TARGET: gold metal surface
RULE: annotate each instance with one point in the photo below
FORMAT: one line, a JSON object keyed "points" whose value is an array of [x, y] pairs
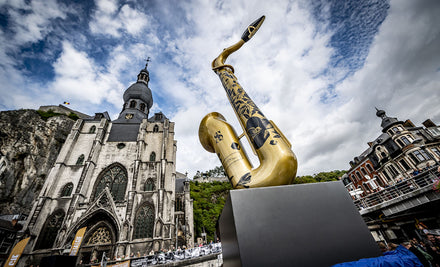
{"points": [[278, 163]]}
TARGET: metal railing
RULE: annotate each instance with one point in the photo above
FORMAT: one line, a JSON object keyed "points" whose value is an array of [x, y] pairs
{"points": [[418, 184], [165, 257]]}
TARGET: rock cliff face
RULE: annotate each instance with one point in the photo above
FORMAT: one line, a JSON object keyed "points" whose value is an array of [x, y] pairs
{"points": [[29, 147]]}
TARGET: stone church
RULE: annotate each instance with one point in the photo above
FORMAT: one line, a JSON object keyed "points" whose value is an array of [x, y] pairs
{"points": [[117, 178]]}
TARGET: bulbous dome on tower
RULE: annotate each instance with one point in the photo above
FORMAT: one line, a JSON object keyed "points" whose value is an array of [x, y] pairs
{"points": [[138, 99], [387, 122], [139, 90]]}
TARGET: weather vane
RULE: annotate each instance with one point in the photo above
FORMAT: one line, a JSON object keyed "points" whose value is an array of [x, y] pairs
{"points": [[147, 60]]}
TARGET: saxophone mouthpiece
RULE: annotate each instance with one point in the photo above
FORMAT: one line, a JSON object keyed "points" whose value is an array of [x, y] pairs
{"points": [[252, 29]]}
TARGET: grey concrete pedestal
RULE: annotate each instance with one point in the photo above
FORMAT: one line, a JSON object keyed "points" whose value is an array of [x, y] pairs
{"points": [[294, 225]]}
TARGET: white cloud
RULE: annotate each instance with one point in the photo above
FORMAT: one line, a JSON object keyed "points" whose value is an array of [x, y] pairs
{"points": [[31, 22], [110, 19], [276, 68], [280, 68]]}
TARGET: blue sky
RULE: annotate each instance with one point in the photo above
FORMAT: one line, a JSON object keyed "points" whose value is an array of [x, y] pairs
{"points": [[316, 68]]}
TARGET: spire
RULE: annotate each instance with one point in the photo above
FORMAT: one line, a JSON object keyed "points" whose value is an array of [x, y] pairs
{"points": [[146, 65], [144, 75], [137, 99], [380, 113], [387, 122]]}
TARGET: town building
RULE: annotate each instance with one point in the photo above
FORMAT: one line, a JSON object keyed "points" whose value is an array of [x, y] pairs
{"points": [[392, 181], [117, 178], [211, 179], [10, 225]]}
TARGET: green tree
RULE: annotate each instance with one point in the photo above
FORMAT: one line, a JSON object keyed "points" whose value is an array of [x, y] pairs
{"points": [[209, 199], [73, 116], [320, 177], [50, 113]]}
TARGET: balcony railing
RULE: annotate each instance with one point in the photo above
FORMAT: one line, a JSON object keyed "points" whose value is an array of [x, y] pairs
{"points": [[416, 185]]}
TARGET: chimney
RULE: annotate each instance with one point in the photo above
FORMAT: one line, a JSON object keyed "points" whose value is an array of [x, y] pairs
{"points": [[408, 123], [428, 123]]}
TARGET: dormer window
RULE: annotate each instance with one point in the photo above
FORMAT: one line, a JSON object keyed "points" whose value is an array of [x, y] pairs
{"points": [[396, 130], [142, 107], [381, 153], [132, 104]]}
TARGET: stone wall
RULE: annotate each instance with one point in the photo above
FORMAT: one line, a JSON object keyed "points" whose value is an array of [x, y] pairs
{"points": [[29, 147]]}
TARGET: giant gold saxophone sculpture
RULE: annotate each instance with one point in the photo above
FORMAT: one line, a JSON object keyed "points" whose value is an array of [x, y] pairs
{"points": [[278, 163]]}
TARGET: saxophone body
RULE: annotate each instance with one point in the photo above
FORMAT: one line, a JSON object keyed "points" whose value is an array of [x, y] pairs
{"points": [[278, 163]]}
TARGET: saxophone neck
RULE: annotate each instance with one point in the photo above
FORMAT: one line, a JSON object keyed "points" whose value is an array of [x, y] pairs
{"points": [[250, 31], [219, 62]]}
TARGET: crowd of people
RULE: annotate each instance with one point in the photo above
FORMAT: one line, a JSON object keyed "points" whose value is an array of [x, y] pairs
{"points": [[416, 253], [164, 255]]}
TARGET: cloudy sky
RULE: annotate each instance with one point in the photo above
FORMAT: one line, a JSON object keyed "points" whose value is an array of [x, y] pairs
{"points": [[316, 68]]}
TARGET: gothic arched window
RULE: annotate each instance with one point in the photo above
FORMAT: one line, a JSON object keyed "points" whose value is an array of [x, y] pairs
{"points": [[155, 128], [142, 107], [50, 230], [67, 190], [153, 156], [101, 235], [92, 129], [144, 223], [80, 160], [149, 185], [115, 178], [132, 104]]}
